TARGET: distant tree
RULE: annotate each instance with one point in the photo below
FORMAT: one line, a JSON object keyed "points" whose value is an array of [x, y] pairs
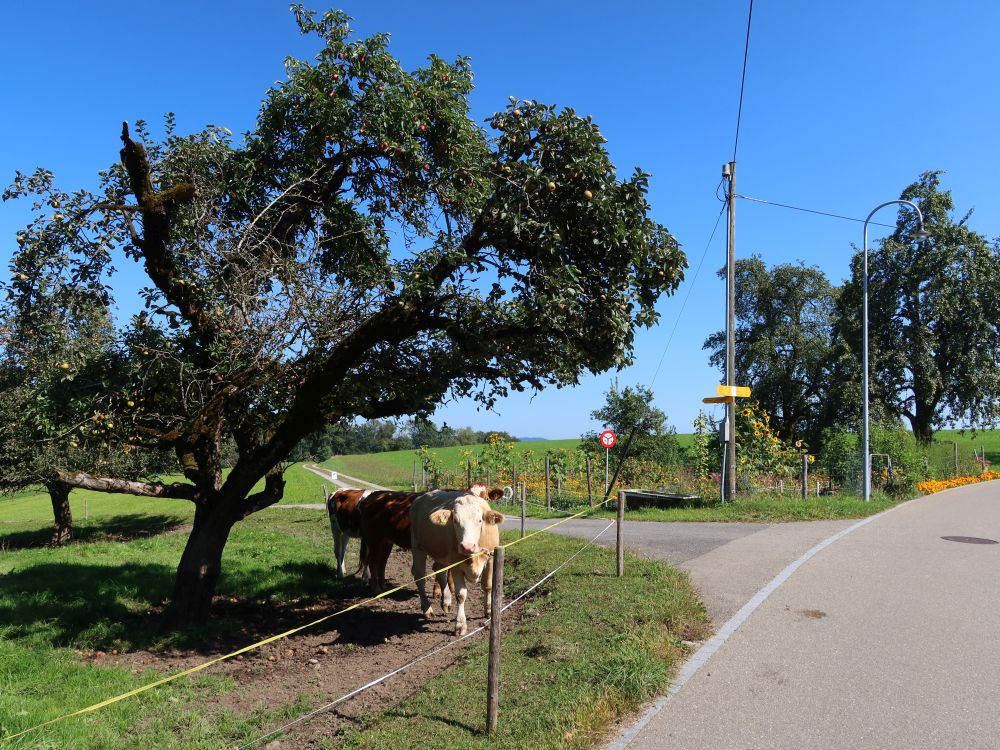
{"points": [[275, 304], [934, 317], [633, 407], [785, 320]]}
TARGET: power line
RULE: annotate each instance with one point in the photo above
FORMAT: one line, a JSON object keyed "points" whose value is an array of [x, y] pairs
{"points": [[743, 80], [687, 297], [813, 211]]}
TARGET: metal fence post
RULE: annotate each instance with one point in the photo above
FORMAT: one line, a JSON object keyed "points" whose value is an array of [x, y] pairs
{"points": [[620, 552], [493, 680]]}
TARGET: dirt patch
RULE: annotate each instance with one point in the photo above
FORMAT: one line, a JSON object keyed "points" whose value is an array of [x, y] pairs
{"points": [[326, 661], [815, 614]]}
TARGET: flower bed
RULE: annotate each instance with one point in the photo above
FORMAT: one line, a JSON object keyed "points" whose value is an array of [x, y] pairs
{"points": [[936, 485]]}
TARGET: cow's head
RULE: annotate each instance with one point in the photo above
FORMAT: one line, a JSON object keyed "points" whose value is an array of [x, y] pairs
{"points": [[466, 518]]}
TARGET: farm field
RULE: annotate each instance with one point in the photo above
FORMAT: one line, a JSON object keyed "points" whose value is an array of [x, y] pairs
{"points": [[80, 624], [395, 468]]}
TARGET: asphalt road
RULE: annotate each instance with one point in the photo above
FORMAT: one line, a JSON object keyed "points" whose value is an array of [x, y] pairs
{"points": [[728, 562], [886, 638]]}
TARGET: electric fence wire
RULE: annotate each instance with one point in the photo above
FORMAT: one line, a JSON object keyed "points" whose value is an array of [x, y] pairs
{"points": [[432, 652], [687, 296]]}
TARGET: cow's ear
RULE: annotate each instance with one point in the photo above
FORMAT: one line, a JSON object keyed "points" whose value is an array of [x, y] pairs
{"points": [[441, 517], [492, 516], [495, 494]]}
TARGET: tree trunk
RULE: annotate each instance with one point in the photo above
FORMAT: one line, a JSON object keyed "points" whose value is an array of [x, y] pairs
{"points": [[198, 571], [922, 424], [62, 531]]}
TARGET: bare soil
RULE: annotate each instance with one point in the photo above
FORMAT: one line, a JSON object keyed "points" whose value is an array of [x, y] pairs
{"points": [[331, 659]]}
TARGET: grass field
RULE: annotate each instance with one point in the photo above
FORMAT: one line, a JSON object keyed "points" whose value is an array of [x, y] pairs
{"points": [[986, 439], [594, 646]]}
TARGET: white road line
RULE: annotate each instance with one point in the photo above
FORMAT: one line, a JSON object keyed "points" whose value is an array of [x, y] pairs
{"points": [[703, 654]]}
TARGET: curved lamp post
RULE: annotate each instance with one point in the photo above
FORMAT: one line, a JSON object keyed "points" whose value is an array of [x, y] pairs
{"points": [[920, 234]]}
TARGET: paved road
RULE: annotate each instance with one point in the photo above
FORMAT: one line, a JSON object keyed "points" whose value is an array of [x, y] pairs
{"points": [[728, 562], [887, 638]]}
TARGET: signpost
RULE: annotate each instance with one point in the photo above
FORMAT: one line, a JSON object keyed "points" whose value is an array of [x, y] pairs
{"points": [[608, 439], [727, 395]]}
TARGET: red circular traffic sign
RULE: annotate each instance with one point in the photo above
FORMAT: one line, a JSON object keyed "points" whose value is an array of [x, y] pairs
{"points": [[608, 439]]}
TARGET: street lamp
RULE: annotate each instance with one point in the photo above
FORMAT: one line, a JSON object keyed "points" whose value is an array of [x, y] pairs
{"points": [[919, 234]]}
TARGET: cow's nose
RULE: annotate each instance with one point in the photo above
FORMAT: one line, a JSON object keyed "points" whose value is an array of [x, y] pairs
{"points": [[468, 549]]}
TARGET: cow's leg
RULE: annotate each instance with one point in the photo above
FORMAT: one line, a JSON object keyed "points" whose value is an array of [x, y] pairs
{"points": [[419, 571], [377, 556], [363, 565], [486, 582], [339, 545], [340, 549], [441, 582], [461, 591]]}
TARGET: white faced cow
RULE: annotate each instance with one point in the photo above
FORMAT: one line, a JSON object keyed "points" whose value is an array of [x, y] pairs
{"points": [[447, 526]]}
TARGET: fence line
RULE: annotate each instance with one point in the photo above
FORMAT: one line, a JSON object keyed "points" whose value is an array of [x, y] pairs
{"points": [[436, 650], [271, 639], [225, 657]]}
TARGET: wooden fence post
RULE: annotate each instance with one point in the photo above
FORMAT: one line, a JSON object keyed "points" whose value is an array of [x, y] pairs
{"points": [[423, 477], [468, 473], [548, 493], [805, 476], [524, 491], [488, 477], [414, 476], [620, 552], [493, 679], [955, 446], [590, 489]]}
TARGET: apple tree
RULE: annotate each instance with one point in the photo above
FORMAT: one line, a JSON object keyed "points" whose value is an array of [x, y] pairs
{"points": [[57, 351], [367, 249]]}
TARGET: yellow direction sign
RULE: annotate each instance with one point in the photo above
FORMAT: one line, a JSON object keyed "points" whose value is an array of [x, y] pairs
{"points": [[739, 391], [719, 400]]}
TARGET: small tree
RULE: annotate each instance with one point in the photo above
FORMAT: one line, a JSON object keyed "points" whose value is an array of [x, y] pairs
{"points": [[633, 407], [56, 349], [276, 304]]}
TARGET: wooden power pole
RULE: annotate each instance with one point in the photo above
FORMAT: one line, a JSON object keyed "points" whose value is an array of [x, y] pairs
{"points": [[729, 170]]}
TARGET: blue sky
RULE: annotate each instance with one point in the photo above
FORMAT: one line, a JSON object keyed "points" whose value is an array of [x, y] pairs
{"points": [[845, 104]]}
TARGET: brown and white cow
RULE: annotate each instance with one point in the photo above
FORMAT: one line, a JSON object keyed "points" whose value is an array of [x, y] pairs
{"points": [[447, 525], [385, 521], [344, 509]]}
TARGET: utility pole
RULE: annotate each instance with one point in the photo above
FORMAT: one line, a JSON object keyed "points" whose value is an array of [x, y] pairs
{"points": [[729, 171]]}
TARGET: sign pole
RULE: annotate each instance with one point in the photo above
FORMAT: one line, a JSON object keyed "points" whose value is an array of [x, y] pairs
{"points": [[607, 440]]}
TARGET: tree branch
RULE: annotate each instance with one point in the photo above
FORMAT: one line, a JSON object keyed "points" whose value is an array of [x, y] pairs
{"points": [[85, 481]]}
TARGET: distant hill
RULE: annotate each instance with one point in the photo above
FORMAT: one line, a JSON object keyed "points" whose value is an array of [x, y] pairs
{"points": [[530, 440]]}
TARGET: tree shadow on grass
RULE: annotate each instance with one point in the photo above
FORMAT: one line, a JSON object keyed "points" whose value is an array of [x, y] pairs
{"points": [[67, 604], [120, 528], [121, 606]]}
